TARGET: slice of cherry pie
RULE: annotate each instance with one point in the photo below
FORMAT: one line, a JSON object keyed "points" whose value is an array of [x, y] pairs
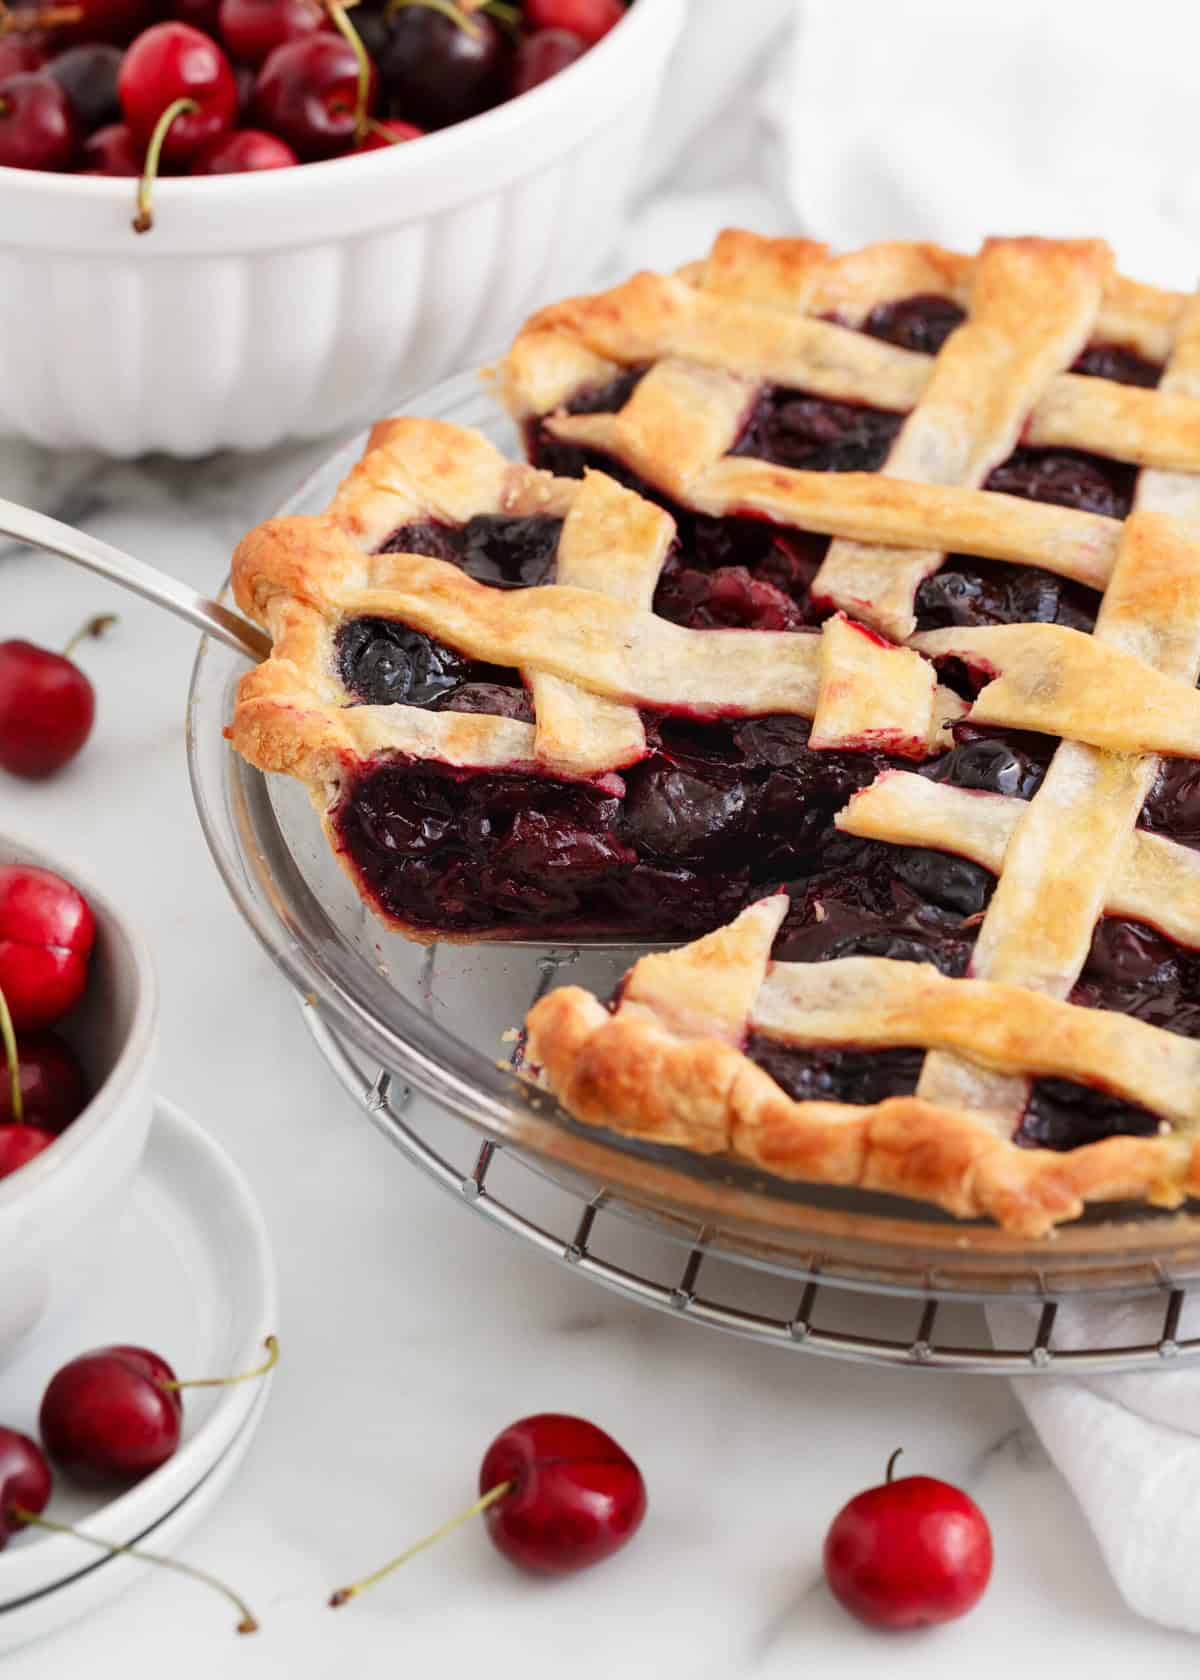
{"points": [[861, 591]]}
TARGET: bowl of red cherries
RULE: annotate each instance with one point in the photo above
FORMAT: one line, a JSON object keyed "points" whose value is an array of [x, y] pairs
{"points": [[228, 222], [77, 1034]]}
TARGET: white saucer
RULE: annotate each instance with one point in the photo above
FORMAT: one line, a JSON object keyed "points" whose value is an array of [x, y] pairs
{"points": [[190, 1274]]}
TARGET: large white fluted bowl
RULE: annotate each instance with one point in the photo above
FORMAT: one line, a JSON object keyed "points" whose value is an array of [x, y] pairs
{"points": [[297, 302]]}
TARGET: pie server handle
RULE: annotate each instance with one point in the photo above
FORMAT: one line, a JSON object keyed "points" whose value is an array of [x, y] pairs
{"points": [[210, 616]]}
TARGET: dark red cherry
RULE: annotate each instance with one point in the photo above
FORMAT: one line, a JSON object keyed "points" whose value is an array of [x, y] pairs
{"points": [[172, 61], [574, 1495], [19, 53], [909, 1553], [19, 1144], [108, 20], [589, 19], [307, 93], [436, 72], [108, 1416], [242, 151], [543, 54], [46, 936], [112, 151], [53, 1090], [47, 704], [381, 135], [87, 74], [25, 1481], [252, 29], [557, 1494], [201, 14], [38, 129]]}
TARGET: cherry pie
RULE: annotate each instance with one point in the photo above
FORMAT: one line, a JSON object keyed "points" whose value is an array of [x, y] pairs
{"points": [[849, 607]]}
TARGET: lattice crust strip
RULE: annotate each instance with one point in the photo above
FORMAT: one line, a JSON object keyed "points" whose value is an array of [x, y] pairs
{"points": [[666, 1065], [588, 644]]}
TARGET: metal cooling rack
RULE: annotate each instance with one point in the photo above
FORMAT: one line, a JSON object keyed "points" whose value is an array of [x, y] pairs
{"points": [[695, 1276]]}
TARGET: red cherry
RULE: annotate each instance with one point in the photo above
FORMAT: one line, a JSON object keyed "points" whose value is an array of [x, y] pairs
{"points": [[107, 1416], [243, 150], [46, 937], [307, 92], [19, 1145], [909, 1553], [19, 53], [575, 1496], [24, 1481], [53, 1090], [115, 1414], [557, 1494], [47, 704], [543, 55], [383, 135], [173, 61], [111, 151], [252, 29], [37, 126], [589, 18]]}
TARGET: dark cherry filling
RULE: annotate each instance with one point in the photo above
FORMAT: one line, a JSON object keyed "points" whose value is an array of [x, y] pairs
{"points": [[508, 553], [717, 814]]}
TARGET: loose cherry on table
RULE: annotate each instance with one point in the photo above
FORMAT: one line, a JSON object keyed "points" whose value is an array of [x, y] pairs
{"points": [[26, 1484], [909, 1553], [46, 935], [115, 1414], [47, 704], [557, 1494]]}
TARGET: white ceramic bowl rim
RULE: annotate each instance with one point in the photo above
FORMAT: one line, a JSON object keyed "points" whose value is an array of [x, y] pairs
{"points": [[493, 147], [134, 1051]]}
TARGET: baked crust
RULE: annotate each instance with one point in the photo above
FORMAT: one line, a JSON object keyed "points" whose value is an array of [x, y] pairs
{"points": [[666, 1066]]}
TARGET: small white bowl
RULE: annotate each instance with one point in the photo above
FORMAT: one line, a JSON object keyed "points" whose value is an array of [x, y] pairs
{"points": [[295, 302], [57, 1212]]}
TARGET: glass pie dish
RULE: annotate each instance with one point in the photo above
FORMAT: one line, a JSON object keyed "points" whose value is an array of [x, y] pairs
{"points": [[443, 1018]]}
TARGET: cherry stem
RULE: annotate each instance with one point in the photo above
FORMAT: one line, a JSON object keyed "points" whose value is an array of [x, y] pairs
{"points": [[509, 16], [493, 1495], [349, 34], [374, 126], [891, 1469], [94, 627], [50, 17], [247, 1624], [447, 8], [8, 1038], [268, 1364], [144, 220]]}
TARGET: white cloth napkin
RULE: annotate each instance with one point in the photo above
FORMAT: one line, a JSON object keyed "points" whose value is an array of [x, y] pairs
{"points": [[948, 121], [1129, 1446]]}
